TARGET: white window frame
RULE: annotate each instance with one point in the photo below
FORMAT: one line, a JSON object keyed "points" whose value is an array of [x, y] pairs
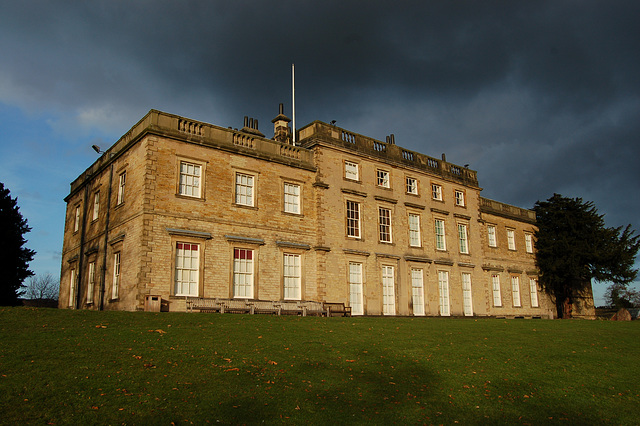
{"points": [[291, 198], [459, 197], [436, 192], [497, 294], [467, 295], [190, 179], [76, 219], [383, 178], [515, 291], [443, 293], [351, 170], [412, 185], [187, 269], [463, 238], [353, 219], [243, 273], [96, 205], [244, 193], [492, 235], [533, 290], [91, 281], [415, 239], [115, 286], [511, 239], [528, 242], [356, 288], [441, 240], [388, 290], [292, 276], [122, 180], [417, 291], [384, 225], [72, 289]]}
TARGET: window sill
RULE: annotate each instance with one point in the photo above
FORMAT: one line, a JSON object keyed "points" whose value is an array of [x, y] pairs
{"points": [[190, 197], [292, 214], [244, 206]]}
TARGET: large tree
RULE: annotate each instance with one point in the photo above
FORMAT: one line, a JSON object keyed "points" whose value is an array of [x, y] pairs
{"points": [[14, 256], [574, 246]]}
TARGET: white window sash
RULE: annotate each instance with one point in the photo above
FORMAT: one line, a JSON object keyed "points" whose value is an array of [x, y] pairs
{"points": [[414, 230], [244, 189], [533, 288], [384, 221], [463, 237], [243, 274], [497, 296], [443, 292], [353, 219], [417, 291], [187, 269], [292, 277], [467, 296], [491, 233], [92, 282], [388, 291], [515, 289], [292, 198], [441, 243], [356, 296]]}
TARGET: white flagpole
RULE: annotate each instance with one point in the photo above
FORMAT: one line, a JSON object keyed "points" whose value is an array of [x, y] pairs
{"points": [[293, 96]]}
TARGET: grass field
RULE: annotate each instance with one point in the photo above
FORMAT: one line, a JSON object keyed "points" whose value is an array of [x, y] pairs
{"points": [[84, 367]]}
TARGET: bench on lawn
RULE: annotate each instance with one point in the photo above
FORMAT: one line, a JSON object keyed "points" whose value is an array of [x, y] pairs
{"points": [[337, 309], [264, 307], [313, 308], [204, 305]]}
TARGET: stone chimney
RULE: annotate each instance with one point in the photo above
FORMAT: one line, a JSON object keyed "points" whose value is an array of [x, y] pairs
{"points": [[281, 129], [251, 126]]}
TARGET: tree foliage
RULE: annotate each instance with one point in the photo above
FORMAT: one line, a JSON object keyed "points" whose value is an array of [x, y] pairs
{"points": [[14, 256], [621, 296], [42, 287], [574, 246]]}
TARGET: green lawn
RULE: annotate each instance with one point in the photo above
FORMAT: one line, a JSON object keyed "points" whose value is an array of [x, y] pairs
{"points": [[61, 366]]}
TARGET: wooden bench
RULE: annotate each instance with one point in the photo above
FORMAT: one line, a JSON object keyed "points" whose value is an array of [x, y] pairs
{"points": [[337, 309], [238, 306], [265, 307], [313, 308], [203, 305]]}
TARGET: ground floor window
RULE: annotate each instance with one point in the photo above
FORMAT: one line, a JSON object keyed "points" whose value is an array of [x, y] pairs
{"points": [[466, 294], [243, 273], [187, 269], [72, 289], [388, 291], [533, 287], [443, 289], [497, 297], [417, 291], [292, 276], [92, 282], [515, 290], [356, 298], [115, 287]]}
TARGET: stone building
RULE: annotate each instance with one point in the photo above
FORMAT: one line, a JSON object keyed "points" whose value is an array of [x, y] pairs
{"points": [[179, 208]]}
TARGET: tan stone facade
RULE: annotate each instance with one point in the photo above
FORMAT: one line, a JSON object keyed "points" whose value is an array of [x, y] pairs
{"points": [[181, 208]]}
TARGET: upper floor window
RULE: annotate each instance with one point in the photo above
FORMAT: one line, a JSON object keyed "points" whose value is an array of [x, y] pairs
{"points": [[491, 234], [414, 230], [353, 219], [76, 219], [440, 237], [244, 189], [189, 179], [384, 221], [121, 183], [351, 170], [96, 205], [292, 198], [412, 186], [511, 239], [462, 237], [436, 192], [383, 178], [459, 198], [528, 242]]}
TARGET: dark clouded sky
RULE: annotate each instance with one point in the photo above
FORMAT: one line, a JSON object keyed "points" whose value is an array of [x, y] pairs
{"points": [[538, 97]]}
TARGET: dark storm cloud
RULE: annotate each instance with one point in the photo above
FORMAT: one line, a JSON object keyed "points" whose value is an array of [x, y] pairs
{"points": [[539, 97]]}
